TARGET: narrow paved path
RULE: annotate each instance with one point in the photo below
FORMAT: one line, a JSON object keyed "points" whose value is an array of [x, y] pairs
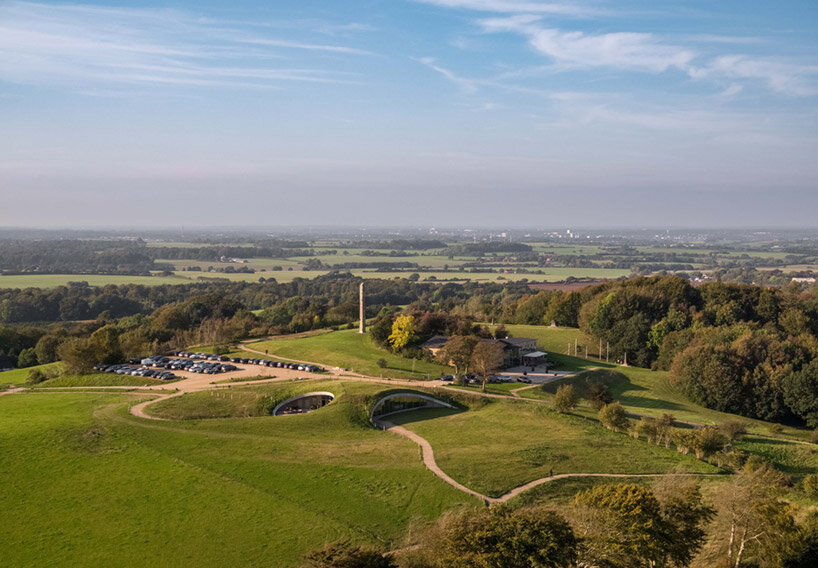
{"points": [[516, 392], [531, 484], [428, 456], [138, 410]]}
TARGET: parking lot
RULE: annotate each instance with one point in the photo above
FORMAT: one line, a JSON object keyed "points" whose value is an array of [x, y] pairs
{"points": [[185, 364]]}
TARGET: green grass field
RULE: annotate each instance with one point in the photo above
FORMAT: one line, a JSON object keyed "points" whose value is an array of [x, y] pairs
{"points": [[555, 340], [222, 484], [102, 380], [559, 342], [287, 275], [240, 402], [350, 350], [54, 280], [20, 376], [504, 444], [88, 485]]}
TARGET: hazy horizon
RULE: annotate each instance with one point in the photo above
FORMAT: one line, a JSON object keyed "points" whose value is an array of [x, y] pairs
{"points": [[402, 113]]}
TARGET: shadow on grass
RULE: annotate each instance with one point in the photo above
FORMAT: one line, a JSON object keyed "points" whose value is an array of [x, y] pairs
{"points": [[421, 415], [570, 363], [750, 439], [648, 403]]}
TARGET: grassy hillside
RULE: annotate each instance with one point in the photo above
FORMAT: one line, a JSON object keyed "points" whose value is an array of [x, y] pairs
{"points": [[350, 350], [650, 392], [20, 376], [263, 490], [501, 445], [119, 491], [244, 401]]}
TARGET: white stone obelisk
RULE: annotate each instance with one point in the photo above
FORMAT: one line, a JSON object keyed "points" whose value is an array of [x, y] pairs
{"points": [[361, 310]]}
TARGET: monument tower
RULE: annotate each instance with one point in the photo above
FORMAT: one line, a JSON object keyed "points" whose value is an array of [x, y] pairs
{"points": [[361, 310]]}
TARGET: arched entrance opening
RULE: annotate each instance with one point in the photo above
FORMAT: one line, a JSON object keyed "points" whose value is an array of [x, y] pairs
{"points": [[403, 402], [303, 403]]}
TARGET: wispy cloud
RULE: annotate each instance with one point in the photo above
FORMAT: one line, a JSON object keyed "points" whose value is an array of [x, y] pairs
{"points": [[74, 45], [467, 85], [730, 92], [780, 76], [576, 9], [307, 46], [640, 51], [652, 53]]}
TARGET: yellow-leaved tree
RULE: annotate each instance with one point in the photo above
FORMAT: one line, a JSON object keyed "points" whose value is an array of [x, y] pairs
{"points": [[404, 331]]}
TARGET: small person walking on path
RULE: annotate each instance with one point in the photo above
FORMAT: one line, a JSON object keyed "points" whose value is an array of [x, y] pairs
{"points": [[550, 473]]}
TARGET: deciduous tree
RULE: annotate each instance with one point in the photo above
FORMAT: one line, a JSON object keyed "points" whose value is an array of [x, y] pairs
{"points": [[404, 331], [565, 399], [457, 352], [504, 538], [77, 355], [486, 359], [752, 521], [630, 525], [614, 417]]}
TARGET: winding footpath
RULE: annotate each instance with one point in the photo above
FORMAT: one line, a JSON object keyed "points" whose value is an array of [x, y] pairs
{"points": [[428, 456]]}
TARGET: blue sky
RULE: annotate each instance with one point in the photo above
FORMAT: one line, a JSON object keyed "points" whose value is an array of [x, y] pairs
{"points": [[409, 112]]}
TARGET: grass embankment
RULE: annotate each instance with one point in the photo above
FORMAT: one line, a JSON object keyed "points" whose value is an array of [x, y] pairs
{"points": [[498, 388], [232, 351], [504, 444], [101, 380], [245, 379], [20, 376], [236, 402], [348, 349], [232, 492]]}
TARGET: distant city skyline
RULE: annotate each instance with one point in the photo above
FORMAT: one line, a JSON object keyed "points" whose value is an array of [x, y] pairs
{"points": [[484, 113]]}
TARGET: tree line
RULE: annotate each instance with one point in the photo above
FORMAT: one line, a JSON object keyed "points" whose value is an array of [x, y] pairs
{"points": [[76, 257], [667, 525]]}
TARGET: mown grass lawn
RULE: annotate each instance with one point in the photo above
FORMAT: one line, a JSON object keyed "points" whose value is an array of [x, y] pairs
{"points": [[504, 444], [350, 350], [85, 484]]}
